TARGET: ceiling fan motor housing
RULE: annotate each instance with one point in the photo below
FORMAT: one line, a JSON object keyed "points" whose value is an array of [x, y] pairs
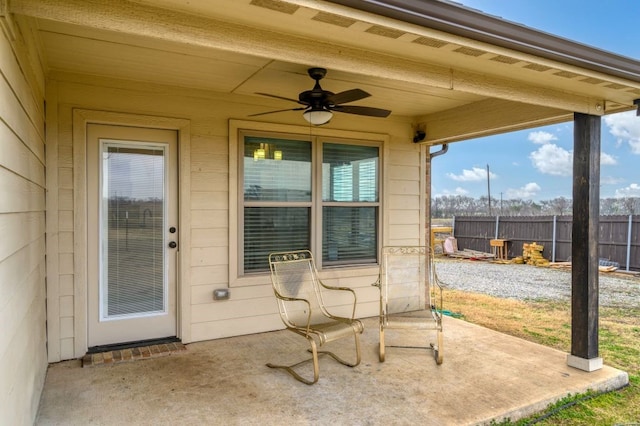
{"points": [[317, 73]]}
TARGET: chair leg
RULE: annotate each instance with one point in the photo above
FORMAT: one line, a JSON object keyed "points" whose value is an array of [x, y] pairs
{"points": [[290, 368], [315, 352], [342, 361], [381, 353], [437, 349]]}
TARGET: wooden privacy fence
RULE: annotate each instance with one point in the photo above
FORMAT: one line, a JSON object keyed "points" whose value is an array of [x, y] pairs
{"points": [[619, 237]]}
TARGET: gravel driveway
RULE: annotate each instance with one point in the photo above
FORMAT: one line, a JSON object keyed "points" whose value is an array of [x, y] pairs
{"points": [[526, 282]]}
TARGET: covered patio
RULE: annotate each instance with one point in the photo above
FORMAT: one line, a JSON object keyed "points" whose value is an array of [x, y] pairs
{"points": [[220, 95], [486, 376]]}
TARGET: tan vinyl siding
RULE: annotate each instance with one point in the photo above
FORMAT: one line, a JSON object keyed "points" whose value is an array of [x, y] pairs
{"points": [[251, 307], [406, 195], [23, 359]]}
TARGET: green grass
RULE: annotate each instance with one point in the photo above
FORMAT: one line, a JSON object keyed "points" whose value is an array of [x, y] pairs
{"points": [[549, 323]]}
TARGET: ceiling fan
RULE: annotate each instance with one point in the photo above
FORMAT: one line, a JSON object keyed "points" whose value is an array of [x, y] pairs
{"points": [[319, 104]]}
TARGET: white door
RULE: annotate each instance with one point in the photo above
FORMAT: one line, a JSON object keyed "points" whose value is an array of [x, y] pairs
{"points": [[132, 233]]}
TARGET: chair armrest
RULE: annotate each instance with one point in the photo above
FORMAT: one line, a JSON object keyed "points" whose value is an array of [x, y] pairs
{"points": [[335, 288], [294, 299]]}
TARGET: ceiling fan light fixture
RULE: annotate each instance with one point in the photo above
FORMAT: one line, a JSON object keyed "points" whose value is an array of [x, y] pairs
{"points": [[318, 117]]}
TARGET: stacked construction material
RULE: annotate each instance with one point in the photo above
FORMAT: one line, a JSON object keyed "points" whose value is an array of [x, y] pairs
{"points": [[451, 249], [532, 254]]}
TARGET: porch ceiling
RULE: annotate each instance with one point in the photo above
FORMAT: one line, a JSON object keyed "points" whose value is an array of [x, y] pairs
{"points": [[455, 86]]}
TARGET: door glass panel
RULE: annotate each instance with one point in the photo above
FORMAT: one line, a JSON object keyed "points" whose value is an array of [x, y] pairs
{"points": [[133, 213]]}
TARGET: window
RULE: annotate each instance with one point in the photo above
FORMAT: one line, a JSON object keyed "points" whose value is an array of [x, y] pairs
{"points": [[349, 203], [316, 194]]}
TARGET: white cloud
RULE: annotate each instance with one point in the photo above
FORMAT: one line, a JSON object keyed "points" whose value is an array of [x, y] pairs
{"points": [[460, 191], [528, 191], [607, 160], [632, 190], [541, 138], [610, 180], [552, 160], [626, 127], [473, 175], [457, 191]]}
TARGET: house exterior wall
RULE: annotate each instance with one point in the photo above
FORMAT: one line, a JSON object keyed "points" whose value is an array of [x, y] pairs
{"points": [[208, 223], [23, 360]]}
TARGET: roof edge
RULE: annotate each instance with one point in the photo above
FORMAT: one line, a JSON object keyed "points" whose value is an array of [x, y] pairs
{"points": [[466, 22]]}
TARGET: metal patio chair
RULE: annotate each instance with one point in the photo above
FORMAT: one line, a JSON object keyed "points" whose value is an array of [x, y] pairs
{"points": [[300, 295], [410, 295]]}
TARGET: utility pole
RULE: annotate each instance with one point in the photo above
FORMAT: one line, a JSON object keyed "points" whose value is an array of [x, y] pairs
{"points": [[489, 189]]}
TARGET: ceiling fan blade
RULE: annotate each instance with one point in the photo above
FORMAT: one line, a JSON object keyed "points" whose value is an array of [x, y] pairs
{"points": [[282, 97], [361, 110], [348, 96], [278, 110]]}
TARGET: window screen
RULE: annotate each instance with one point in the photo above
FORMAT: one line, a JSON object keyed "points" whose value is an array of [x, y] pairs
{"points": [[277, 198]]}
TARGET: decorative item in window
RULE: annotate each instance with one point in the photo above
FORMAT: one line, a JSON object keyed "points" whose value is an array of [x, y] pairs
{"points": [[267, 151]]}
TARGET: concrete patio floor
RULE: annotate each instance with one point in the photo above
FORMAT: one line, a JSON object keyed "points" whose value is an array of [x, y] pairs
{"points": [[485, 376]]}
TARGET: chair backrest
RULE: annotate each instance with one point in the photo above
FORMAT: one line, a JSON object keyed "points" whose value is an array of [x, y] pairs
{"points": [[404, 278], [294, 275]]}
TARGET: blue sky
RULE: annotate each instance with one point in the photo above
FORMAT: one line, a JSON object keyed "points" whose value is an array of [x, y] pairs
{"points": [[536, 164]]}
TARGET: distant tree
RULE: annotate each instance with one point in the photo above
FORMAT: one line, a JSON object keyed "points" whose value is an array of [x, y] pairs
{"points": [[531, 208], [558, 206], [483, 206], [513, 207], [630, 205], [608, 206], [468, 205], [462, 205], [620, 206]]}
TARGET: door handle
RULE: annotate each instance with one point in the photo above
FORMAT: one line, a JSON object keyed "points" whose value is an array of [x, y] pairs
{"points": [[173, 244]]}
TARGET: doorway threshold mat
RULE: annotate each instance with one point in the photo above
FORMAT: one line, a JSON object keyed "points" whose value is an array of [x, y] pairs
{"points": [[132, 354]]}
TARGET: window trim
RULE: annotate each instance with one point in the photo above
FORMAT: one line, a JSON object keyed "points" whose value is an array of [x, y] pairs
{"points": [[317, 135]]}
